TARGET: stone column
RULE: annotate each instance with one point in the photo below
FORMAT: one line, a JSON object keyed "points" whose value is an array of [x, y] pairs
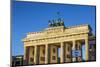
{"points": [[46, 54], [62, 53], [53, 53], [35, 54], [79, 47], [87, 49], [67, 52], [31, 55], [73, 48], [24, 53]]}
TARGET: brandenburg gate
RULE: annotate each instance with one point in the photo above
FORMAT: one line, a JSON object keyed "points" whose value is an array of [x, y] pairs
{"points": [[42, 47]]}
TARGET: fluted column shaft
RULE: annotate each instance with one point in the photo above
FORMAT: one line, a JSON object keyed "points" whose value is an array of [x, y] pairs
{"points": [[62, 52], [73, 48]]}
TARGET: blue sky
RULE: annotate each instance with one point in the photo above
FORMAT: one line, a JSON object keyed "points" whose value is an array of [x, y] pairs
{"points": [[31, 17]]}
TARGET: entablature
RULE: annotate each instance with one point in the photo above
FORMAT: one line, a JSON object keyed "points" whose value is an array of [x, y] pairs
{"points": [[57, 32]]}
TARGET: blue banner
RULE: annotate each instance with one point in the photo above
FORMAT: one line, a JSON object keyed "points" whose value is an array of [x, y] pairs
{"points": [[76, 53]]}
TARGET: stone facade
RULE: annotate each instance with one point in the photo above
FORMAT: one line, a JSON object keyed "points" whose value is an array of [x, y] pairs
{"points": [[43, 46]]}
